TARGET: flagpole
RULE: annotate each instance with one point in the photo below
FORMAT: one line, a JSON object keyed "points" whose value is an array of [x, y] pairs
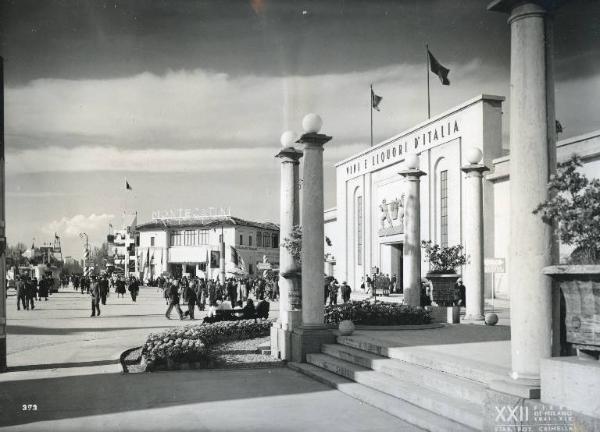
{"points": [[371, 96], [427, 71]]}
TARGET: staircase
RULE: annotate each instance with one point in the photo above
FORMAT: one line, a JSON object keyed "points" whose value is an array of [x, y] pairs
{"points": [[435, 392]]}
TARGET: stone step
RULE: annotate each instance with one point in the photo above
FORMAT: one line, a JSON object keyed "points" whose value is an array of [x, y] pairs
{"points": [[455, 409], [450, 385], [458, 366], [397, 407]]}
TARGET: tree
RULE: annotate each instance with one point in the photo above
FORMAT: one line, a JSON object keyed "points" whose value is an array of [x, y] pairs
{"points": [[574, 210]]}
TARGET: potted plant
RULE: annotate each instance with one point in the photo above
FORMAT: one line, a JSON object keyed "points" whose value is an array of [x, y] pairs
{"points": [[573, 209], [444, 260]]}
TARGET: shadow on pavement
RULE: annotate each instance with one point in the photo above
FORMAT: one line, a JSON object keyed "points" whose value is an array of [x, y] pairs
{"points": [[61, 365], [78, 396], [31, 330]]}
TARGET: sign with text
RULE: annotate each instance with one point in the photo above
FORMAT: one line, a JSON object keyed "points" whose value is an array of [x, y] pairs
{"points": [[495, 265], [191, 213]]}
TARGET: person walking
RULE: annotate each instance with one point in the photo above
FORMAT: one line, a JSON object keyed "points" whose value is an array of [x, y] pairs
{"points": [[103, 289], [44, 287], [120, 287], [346, 291], [173, 292], [190, 295], [21, 293], [134, 287], [30, 293], [95, 295]]}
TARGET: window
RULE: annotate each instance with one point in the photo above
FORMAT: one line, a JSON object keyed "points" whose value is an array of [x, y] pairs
{"points": [[241, 239], [190, 238], [275, 241], [176, 238], [359, 229], [266, 240], [152, 241], [259, 241], [444, 208], [249, 240], [203, 237], [250, 269]]}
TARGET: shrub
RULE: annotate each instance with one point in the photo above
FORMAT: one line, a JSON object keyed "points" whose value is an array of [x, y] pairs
{"points": [[191, 343], [443, 259], [367, 313]]}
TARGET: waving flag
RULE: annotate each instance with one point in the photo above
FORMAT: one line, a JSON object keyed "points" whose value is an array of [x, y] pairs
{"points": [[438, 69]]}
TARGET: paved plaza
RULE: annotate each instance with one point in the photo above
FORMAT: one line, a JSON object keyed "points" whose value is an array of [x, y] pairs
{"points": [[67, 364]]}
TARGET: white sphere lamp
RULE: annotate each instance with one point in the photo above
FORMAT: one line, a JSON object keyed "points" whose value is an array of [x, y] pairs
{"points": [[411, 161], [473, 155], [287, 139], [311, 123]]}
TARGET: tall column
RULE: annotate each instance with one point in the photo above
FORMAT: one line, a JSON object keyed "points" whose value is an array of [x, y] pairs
{"points": [[312, 333], [2, 229], [289, 283], [222, 257], [532, 160], [411, 259], [473, 235]]}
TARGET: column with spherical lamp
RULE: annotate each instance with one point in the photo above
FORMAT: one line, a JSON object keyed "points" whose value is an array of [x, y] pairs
{"points": [[473, 235], [309, 337], [411, 255], [289, 215]]}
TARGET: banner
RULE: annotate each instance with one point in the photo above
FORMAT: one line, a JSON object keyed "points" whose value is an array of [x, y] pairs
{"points": [[214, 259]]}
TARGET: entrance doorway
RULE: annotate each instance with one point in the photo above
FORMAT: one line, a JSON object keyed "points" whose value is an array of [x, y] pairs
{"points": [[397, 250]]}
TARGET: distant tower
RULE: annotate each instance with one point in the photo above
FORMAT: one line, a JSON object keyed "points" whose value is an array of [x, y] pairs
{"points": [[57, 249]]}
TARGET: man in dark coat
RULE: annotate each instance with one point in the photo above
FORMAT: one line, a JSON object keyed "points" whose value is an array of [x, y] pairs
{"points": [[44, 288], [103, 289], [262, 309], [21, 293], [173, 291], [31, 293], [346, 291], [190, 296], [134, 287], [95, 295]]}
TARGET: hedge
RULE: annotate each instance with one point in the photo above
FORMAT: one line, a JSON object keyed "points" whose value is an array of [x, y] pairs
{"points": [[380, 313], [191, 343]]}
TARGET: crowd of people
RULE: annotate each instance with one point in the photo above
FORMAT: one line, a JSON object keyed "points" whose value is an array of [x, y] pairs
{"points": [[30, 289], [98, 287], [233, 298]]}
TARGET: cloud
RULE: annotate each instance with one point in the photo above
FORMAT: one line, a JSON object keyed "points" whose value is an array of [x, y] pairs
{"points": [[82, 159], [93, 225], [203, 110]]}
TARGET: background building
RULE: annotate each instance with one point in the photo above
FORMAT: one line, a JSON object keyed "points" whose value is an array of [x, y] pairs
{"points": [[192, 246], [121, 245]]}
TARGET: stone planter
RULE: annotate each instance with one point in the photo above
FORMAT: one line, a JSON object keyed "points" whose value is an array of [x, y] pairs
{"points": [[443, 287], [346, 327], [580, 285], [444, 314]]}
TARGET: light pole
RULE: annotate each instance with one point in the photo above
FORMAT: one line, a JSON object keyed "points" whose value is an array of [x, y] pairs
{"points": [[86, 254], [2, 230]]}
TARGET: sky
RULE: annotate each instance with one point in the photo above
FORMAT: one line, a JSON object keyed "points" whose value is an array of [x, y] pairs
{"points": [[187, 99]]}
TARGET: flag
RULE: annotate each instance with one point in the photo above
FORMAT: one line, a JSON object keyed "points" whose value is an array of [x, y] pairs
{"points": [[438, 69], [375, 99], [559, 127], [56, 236], [147, 258], [234, 256], [127, 186]]}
